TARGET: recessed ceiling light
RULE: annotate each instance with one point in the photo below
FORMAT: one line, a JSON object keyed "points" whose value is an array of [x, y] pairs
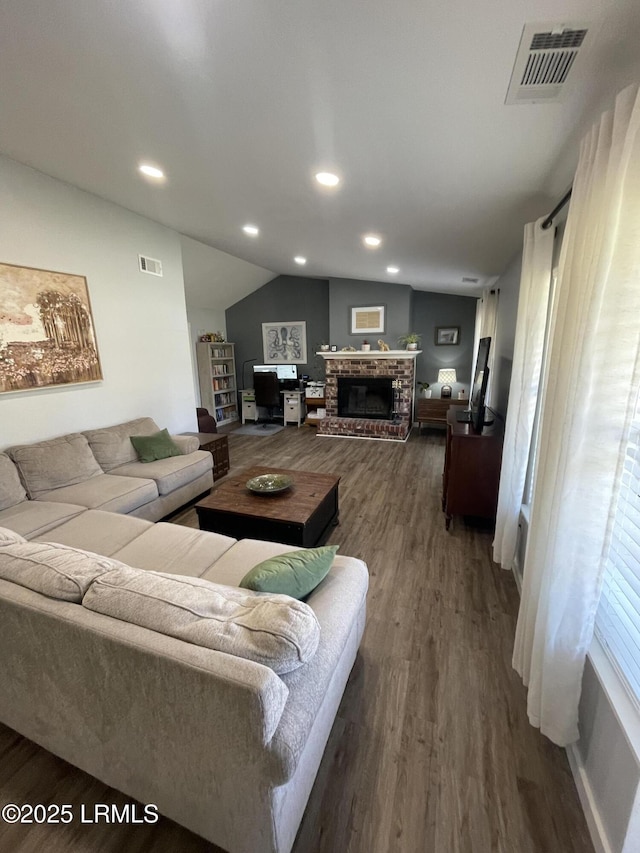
{"points": [[151, 171], [393, 270], [300, 260], [251, 229], [468, 280], [327, 179], [372, 241]]}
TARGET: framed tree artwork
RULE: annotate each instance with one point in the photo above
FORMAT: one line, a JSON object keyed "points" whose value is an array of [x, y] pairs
{"points": [[47, 335]]}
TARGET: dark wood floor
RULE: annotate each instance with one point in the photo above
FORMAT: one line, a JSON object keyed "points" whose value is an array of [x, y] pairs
{"points": [[431, 751]]}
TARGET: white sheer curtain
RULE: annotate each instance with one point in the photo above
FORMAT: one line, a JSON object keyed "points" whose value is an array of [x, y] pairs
{"points": [[590, 387], [486, 326], [533, 301]]}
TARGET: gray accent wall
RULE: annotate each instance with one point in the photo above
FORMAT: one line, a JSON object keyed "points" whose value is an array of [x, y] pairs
{"points": [[284, 298], [326, 305], [431, 310], [346, 293]]}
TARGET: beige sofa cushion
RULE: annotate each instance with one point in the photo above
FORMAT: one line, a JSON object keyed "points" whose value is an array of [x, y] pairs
{"points": [[54, 570], [33, 518], [171, 473], [187, 443], [111, 446], [98, 531], [9, 537], [273, 630], [234, 564], [174, 549], [54, 464], [11, 489], [106, 492]]}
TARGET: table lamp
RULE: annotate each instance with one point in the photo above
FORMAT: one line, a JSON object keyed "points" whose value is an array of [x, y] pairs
{"points": [[446, 375]]}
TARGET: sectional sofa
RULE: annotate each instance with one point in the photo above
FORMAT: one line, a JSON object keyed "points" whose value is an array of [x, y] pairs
{"points": [[99, 469], [225, 737]]}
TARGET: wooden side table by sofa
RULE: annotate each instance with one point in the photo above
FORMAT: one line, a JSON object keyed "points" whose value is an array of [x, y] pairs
{"points": [[218, 446], [433, 410]]}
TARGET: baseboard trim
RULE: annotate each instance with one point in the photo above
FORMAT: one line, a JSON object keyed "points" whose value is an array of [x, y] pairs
{"points": [[596, 828]]}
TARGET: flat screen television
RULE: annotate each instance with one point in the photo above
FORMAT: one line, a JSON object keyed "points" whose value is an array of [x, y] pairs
{"points": [[475, 414], [479, 388]]}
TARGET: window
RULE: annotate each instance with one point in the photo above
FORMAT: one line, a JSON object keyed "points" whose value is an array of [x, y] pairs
{"points": [[533, 451], [618, 616]]}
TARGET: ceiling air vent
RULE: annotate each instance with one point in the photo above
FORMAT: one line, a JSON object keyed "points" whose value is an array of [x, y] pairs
{"points": [[546, 55], [150, 265]]}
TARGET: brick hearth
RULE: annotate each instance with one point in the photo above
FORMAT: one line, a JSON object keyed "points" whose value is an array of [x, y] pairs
{"points": [[394, 365]]}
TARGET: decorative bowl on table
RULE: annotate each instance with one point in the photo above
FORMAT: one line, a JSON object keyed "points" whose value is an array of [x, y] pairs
{"points": [[269, 484]]}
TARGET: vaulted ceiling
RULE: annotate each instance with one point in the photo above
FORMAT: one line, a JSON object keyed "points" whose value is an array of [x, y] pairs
{"points": [[241, 102]]}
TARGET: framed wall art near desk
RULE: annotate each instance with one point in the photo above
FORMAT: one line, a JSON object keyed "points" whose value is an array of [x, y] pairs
{"points": [[285, 342], [47, 336]]}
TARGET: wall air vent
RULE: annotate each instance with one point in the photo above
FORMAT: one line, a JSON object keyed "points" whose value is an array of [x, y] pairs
{"points": [[150, 265], [546, 55]]}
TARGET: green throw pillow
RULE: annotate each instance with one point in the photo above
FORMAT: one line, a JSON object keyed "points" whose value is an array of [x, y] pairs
{"points": [[296, 573], [160, 445]]}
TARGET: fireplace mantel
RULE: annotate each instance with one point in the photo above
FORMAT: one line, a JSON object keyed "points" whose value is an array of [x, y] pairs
{"points": [[374, 353], [399, 366]]}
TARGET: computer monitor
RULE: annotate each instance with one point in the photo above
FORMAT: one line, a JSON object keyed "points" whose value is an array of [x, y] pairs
{"points": [[282, 371]]}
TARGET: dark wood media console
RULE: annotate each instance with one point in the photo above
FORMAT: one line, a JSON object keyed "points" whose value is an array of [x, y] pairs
{"points": [[471, 469]]}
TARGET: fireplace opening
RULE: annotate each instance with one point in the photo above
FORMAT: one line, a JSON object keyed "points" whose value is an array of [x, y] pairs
{"points": [[365, 397]]}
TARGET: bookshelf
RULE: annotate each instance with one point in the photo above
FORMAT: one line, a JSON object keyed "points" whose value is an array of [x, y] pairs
{"points": [[217, 379]]}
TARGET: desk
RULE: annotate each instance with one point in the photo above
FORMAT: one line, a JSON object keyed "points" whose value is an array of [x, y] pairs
{"points": [[249, 408]]}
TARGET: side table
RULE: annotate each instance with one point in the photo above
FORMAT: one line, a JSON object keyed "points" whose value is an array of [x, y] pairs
{"points": [[218, 446], [433, 410]]}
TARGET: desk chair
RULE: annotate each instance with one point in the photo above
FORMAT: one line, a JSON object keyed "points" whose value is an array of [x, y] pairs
{"points": [[267, 390], [206, 422]]}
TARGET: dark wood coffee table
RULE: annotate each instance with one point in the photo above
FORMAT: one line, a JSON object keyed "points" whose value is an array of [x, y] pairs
{"points": [[302, 515]]}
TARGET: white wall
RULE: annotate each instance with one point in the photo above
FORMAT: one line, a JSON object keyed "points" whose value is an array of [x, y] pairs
{"points": [[201, 321], [140, 320], [205, 320], [214, 280], [608, 773]]}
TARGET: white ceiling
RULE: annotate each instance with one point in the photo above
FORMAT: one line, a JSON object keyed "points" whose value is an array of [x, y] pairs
{"points": [[242, 101]]}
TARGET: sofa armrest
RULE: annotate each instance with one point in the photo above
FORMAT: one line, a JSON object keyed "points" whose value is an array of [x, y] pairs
{"points": [[186, 443]]}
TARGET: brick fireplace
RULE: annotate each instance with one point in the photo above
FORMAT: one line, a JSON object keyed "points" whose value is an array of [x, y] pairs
{"points": [[397, 366]]}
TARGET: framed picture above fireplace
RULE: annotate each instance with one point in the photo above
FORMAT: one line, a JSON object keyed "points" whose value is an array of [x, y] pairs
{"points": [[367, 320]]}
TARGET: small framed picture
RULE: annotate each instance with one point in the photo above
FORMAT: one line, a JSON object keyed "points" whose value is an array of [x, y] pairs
{"points": [[367, 320], [334, 348], [447, 336]]}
